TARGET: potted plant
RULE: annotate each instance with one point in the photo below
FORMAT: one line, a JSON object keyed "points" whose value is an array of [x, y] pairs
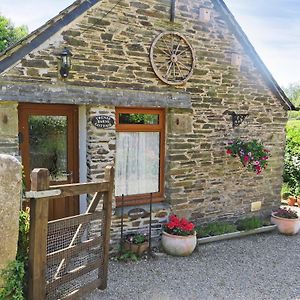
{"points": [[292, 200], [253, 155], [287, 221], [179, 237], [136, 242]]}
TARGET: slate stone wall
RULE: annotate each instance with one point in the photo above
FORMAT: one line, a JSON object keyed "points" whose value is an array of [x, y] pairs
{"points": [[9, 128], [110, 46]]}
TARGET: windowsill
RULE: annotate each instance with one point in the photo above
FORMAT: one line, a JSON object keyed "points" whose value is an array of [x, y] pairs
{"points": [[146, 207]]}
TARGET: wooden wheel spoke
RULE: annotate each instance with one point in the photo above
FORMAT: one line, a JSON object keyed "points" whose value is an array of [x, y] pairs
{"points": [[164, 64], [179, 69], [174, 70], [184, 66], [170, 52], [169, 69], [183, 51], [178, 47], [163, 51]]}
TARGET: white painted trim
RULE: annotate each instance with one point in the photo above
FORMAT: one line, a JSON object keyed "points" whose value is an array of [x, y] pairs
{"points": [[42, 194], [82, 155], [236, 234]]}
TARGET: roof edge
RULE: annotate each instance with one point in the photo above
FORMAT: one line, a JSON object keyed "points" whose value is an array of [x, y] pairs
{"points": [[44, 32], [242, 37]]}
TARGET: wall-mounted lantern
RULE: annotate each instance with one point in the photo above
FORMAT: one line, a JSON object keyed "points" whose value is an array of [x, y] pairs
{"points": [[65, 62]]}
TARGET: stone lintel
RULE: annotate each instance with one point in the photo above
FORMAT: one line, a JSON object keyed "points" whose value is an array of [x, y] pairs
{"points": [[67, 94]]}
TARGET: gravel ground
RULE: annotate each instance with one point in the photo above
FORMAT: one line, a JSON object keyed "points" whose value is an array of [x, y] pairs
{"points": [[264, 266]]}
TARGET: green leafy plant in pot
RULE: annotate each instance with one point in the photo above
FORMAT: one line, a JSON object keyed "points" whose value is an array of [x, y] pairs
{"points": [[136, 242], [179, 237], [287, 221]]}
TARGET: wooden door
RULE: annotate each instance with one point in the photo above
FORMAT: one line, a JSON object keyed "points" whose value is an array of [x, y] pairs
{"points": [[49, 139]]}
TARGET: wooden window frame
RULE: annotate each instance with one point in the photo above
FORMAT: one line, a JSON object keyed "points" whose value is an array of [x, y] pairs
{"points": [[160, 127]]}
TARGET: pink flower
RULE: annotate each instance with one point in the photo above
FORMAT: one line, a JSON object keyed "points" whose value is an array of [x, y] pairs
{"points": [[256, 163], [246, 158]]}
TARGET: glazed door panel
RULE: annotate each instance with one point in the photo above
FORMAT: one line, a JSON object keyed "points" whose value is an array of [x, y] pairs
{"points": [[49, 139]]}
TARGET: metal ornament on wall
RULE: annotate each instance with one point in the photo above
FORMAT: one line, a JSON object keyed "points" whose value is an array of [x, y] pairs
{"points": [[237, 119], [172, 58]]}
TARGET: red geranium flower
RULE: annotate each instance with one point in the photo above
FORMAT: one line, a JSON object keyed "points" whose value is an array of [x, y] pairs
{"points": [[178, 226]]}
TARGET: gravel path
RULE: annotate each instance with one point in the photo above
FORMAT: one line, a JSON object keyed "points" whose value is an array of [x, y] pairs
{"points": [[265, 266]]}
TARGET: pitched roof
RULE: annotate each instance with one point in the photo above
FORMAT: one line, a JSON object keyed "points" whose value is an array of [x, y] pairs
{"points": [[23, 47], [15, 53]]}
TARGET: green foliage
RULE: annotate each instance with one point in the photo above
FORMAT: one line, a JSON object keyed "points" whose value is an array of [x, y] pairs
{"points": [[13, 276], [48, 143], [139, 119], [23, 241], [9, 34], [249, 223], [139, 239], [285, 191], [136, 238], [291, 174], [213, 229], [127, 256], [293, 92]]}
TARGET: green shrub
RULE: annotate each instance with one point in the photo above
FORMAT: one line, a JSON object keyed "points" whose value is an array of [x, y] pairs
{"points": [[291, 174], [127, 256], [23, 241], [285, 191], [249, 223], [13, 276], [213, 229]]}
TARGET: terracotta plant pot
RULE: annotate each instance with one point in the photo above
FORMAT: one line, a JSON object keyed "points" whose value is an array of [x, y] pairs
{"points": [[286, 226], [291, 200], [138, 249], [178, 245]]}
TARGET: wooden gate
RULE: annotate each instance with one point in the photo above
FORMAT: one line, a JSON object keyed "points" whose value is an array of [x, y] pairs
{"points": [[65, 259]]}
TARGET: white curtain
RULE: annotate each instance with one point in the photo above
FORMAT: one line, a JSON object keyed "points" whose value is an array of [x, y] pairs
{"points": [[137, 163]]}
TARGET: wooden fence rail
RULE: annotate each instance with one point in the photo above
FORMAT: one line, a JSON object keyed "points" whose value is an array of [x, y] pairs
{"points": [[38, 287]]}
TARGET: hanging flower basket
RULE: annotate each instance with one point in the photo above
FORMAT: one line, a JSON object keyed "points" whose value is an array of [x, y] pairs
{"points": [[253, 155]]}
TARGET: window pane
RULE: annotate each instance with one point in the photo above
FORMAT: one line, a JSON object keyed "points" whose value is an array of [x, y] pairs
{"points": [[48, 144], [137, 163], [147, 119]]}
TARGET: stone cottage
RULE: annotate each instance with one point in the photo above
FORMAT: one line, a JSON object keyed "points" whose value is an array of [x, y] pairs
{"points": [[156, 87]]}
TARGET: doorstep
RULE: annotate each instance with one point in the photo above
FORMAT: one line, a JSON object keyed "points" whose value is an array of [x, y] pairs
{"points": [[232, 235]]}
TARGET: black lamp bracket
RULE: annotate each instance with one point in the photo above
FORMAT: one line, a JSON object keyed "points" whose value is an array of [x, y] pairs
{"points": [[237, 119]]}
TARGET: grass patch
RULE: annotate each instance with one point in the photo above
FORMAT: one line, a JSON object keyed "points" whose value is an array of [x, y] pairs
{"points": [[213, 229], [249, 223]]}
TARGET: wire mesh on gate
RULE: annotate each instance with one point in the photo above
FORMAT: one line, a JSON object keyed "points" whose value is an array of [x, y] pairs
{"points": [[73, 258]]}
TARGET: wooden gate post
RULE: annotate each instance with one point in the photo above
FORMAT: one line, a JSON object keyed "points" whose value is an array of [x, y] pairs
{"points": [[38, 236], [106, 224]]}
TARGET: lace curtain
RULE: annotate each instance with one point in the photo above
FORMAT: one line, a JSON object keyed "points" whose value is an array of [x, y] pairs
{"points": [[137, 163]]}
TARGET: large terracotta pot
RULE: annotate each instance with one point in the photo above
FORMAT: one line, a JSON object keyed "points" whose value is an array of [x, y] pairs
{"points": [[178, 245], [286, 226]]}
